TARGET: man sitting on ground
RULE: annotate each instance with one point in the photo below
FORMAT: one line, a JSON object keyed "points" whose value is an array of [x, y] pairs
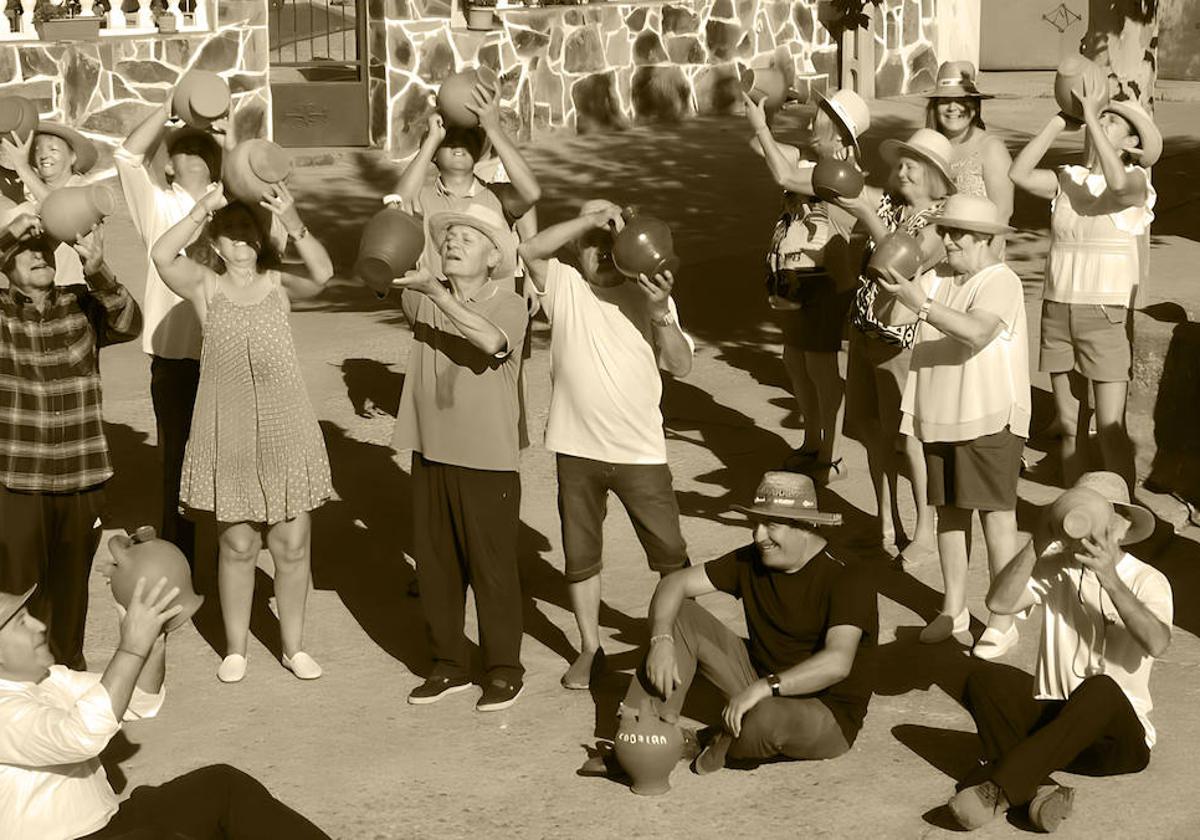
{"points": [[1107, 616], [800, 687]]}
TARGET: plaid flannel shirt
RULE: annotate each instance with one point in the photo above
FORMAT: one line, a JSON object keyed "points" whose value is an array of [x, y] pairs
{"points": [[51, 428]]}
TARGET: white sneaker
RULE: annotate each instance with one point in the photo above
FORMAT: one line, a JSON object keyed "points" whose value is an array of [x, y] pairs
{"points": [[944, 627], [232, 669], [995, 643], [302, 665]]}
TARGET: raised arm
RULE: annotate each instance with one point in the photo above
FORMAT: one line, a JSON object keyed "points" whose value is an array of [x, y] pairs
{"points": [[784, 167], [282, 204], [476, 328], [527, 192], [864, 209], [114, 313], [1151, 632], [1024, 172], [996, 164], [1130, 187], [149, 131], [183, 275], [672, 346], [17, 156], [538, 249], [975, 328], [413, 176]]}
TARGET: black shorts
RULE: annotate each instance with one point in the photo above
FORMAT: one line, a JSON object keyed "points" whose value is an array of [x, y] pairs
{"points": [[818, 325], [979, 474]]}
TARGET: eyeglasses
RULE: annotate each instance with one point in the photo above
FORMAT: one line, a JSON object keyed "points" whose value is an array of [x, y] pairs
{"points": [[954, 233]]}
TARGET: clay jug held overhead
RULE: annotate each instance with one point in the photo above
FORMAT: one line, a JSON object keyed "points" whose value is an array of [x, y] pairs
{"points": [[769, 84], [1080, 513], [899, 251], [644, 246], [1068, 83], [70, 212], [200, 98], [647, 748], [19, 116], [391, 244], [252, 167], [145, 556], [457, 91], [833, 179]]}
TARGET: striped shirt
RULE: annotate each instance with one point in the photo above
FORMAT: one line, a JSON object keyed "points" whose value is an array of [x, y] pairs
{"points": [[51, 429]]}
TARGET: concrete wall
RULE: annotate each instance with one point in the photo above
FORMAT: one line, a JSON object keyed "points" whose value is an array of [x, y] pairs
{"points": [[1179, 39]]}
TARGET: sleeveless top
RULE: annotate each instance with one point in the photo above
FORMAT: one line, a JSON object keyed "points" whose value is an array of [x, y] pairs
{"points": [[862, 314], [967, 172], [255, 452]]}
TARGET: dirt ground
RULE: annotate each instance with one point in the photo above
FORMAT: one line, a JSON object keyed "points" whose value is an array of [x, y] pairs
{"points": [[346, 749]]}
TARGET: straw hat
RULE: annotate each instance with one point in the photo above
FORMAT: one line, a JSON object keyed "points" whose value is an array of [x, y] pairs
{"points": [[956, 79], [10, 604], [1112, 487], [848, 110], [1143, 124], [84, 149], [486, 221], [928, 145], [788, 496], [970, 212]]}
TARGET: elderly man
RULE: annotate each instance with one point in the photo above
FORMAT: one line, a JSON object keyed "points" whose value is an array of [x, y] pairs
{"points": [[608, 338], [54, 458], [54, 723], [1106, 618], [800, 687], [458, 414]]}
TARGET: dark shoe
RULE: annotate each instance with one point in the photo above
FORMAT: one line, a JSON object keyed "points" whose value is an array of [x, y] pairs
{"points": [[824, 472], [498, 695], [603, 765], [1050, 806], [691, 745], [712, 758], [800, 460], [435, 688], [579, 676], [976, 806]]}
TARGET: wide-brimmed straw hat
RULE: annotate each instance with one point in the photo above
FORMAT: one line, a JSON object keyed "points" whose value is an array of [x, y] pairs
{"points": [[928, 145], [970, 212], [11, 603], [956, 79], [1112, 487], [488, 222], [848, 110], [84, 149], [1152, 141], [788, 496]]}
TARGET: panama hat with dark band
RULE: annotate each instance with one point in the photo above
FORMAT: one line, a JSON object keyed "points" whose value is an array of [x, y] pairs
{"points": [[970, 212], [788, 497], [848, 110], [956, 79]]}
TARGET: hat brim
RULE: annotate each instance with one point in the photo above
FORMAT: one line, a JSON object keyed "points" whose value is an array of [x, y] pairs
{"points": [[891, 149], [823, 103], [958, 92], [815, 517], [84, 149], [1152, 142], [15, 608], [1141, 522], [973, 225], [440, 223]]}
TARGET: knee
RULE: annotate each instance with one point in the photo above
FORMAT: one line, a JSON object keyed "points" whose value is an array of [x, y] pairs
{"points": [[289, 553], [240, 545], [761, 726], [1101, 687]]}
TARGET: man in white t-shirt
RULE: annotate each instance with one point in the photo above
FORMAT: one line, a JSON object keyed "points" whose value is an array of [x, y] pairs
{"points": [[1106, 618], [609, 337]]}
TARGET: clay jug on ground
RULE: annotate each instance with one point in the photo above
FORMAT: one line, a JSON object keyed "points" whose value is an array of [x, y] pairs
{"points": [[1078, 513], [253, 166], [145, 556], [647, 748], [69, 212], [19, 116], [644, 246], [1068, 83], [391, 244], [898, 250], [200, 98], [769, 84], [833, 179], [457, 91]]}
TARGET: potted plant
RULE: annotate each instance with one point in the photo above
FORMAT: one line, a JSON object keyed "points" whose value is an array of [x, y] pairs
{"points": [[60, 22], [481, 14], [163, 19]]}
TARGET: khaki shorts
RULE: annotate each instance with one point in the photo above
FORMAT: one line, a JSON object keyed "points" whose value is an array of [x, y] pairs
{"points": [[1086, 337]]}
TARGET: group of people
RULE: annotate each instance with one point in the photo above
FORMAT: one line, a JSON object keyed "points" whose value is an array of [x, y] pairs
{"points": [[937, 370]]}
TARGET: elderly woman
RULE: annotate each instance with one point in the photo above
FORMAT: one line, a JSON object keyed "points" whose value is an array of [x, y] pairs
{"points": [[1099, 214], [979, 161], [879, 353], [967, 400]]}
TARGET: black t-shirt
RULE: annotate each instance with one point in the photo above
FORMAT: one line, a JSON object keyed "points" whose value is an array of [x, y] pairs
{"points": [[788, 616]]}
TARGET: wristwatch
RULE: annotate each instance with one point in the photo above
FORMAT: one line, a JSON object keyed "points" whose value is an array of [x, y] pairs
{"points": [[776, 686], [923, 313], [667, 320]]}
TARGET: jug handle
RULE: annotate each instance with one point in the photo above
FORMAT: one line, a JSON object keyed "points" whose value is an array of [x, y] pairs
{"points": [[394, 200]]}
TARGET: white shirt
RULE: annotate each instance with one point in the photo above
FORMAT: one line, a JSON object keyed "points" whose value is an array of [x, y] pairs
{"points": [[605, 384], [52, 785], [171, 328], [1083, 635]]}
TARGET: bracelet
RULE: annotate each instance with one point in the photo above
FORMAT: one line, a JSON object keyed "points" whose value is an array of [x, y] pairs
{"points": [[923, 313], [301, 234], [192, 216], [140, 656], [662, 636]]}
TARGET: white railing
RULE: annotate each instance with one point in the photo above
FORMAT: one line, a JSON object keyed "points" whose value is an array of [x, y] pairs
{"points": [[116, 24]]}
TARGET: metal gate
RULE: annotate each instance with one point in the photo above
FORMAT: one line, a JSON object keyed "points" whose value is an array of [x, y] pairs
{"points": [[319, 82]]}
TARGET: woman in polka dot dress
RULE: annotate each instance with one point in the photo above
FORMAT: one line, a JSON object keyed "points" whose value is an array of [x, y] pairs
{"points": [[255, 457]]}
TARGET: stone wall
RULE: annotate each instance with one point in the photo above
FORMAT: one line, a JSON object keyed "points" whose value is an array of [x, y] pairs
{"points": [[905, 32], [104, 88]]}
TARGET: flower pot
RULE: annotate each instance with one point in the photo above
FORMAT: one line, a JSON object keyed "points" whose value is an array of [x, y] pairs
{"points": [[146, 556], [19, 116], [69, 29], [644, 246], [252, 167], [200, 98], [167, 23], [391, 244], [1068, 83], [70, 212], [899, 251], [833, 179], [647, 748], [457, 91], [481, 18]]}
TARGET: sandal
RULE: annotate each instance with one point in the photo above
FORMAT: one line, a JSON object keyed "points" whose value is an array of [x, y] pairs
{"points": [[827, 472]]}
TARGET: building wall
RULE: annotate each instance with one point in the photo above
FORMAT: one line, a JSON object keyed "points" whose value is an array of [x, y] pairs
{"points": [[1179, 39]]}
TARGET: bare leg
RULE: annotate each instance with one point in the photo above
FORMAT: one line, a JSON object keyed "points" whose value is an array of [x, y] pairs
{"points": [[915, 453], [289, 542], [1070, 400], [805, 392], [1116, 449], [585, 602], [239, 544], [822, 370], [881, 463], [1000, 535], [954, 552]]}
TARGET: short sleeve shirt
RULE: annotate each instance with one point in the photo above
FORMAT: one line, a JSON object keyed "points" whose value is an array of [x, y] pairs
{"points": [[460, 405], [788, 616]]}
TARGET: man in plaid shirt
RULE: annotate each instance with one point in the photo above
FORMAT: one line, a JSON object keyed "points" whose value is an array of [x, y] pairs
{"points": [[53, 455]]}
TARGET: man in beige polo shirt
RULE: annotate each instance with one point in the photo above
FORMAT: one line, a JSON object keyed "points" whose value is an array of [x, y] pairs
{"points": [[458, 414]]}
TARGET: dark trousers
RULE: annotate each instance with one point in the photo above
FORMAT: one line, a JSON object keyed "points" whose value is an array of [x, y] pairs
{"points": [[173, 384], [1094, 732], [212, 802], [795, 727], [466, 533], [50, 539]]}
